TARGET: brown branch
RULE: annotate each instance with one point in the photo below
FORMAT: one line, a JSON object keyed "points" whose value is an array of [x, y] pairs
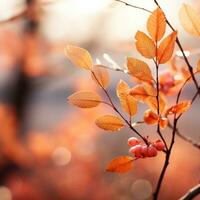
{"points": [[130, 5], [193, 192], [117, 111]]}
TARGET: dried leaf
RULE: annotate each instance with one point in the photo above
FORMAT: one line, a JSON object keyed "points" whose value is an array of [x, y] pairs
{"points": [[100, 75], [179, 108], [190, 19], [156, 25], [79, 57], [109, 123], [120, 164], [139, 69], [166, 48], [128, 103], [139, 92], [145, 45], [85, 99]]}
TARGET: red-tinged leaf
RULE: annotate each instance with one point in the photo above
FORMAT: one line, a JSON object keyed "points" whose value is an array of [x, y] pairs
{"points": [[109, 123], [79, 57], [166, 48], [100, 75], [145, 45], [156, 25], [120, 164], [179, 108], [85, 99], [150, 117]]}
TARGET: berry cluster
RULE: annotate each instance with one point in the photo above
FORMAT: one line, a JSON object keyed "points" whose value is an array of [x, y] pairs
{"points": [[144, 150]]}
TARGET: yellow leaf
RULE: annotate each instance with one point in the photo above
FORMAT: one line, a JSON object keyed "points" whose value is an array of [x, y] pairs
{"points": [[139, 69], [79, 57], [128, 103], [156, 25], [100, 75], [166, 48], [179, 108], [85, 99], [109, 123], [190, 20], [145, 45], [120, 164]]}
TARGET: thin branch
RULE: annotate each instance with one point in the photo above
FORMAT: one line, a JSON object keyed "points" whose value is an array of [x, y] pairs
{"points": [[193, 192], [185, 138], [130, 5], [190, 68], [117, 111]]}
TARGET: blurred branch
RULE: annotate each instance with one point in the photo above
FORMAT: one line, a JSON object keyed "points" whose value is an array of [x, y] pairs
{"points": [[187, 139], [193, 192], [15, 17]]}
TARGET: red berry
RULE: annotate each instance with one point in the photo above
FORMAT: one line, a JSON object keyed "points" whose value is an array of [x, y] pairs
{"points": [[151, 151], [136, 150], [144, 150], [159, 145], [133, 141]]}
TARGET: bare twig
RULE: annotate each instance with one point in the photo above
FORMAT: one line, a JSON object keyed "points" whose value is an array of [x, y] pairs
{"points": [[193, 192]]}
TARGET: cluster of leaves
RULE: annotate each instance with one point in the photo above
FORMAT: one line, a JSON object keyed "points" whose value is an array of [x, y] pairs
{"points": [[153, 46]]}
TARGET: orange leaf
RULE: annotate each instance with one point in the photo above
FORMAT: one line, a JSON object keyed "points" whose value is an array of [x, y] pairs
{"points": [[100, 76], [145, 45], [166, 48], [79, 57], [152, 102], [139, 92], [156, 25], [85, 99], [163, 121], [190, 20], [120, 164], [109, 123], [128, 103], [139, 69], [150, 117], [179, 108]]}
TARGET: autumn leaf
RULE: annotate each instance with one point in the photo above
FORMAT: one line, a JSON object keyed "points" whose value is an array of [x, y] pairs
{"points": [[139, 93], [190, 19], [166, 48], [163, 121], [85, 99], [128, 103], [152, 103], [120, 164], [79, 57], [145, 45], [156, 25], [100, 75], [179, 108], [139, 69], [109, 123], [150, 117]]}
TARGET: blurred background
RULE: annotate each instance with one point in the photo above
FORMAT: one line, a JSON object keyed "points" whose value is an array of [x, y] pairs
{"points": [[50, 150]]}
